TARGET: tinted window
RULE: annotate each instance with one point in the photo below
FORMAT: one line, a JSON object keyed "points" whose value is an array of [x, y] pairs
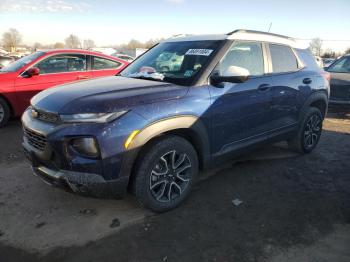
{"points": [[340, 66], [247, 55], [100, 63], [283, 59], [62, 63]]}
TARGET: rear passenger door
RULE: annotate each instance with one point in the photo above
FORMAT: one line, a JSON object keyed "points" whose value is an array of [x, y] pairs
{"points": [[287, 85], [102, 66]]}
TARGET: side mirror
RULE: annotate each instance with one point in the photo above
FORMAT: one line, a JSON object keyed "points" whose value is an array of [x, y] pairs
{"points": [[34, 71], [233, 74]]}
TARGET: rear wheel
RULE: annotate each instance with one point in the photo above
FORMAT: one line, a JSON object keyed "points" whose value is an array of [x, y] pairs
{"points": [[4, 112], [309, 133], [165, 173]]}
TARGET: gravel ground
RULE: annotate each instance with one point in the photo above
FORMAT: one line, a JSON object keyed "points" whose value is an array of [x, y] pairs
{"points": [[294, 208]]}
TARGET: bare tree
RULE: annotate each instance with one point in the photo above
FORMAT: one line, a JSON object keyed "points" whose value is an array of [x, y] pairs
{"points": [[133, 43], [11, 39], [329, 54], [37, 46], [152, 42], [347, 51], [88, 44], [58, 45], [316, 46], [73, 41]]}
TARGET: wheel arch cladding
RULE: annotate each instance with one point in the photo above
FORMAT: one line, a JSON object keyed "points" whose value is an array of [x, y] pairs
{"points": [[188, 127], [318, 100]]}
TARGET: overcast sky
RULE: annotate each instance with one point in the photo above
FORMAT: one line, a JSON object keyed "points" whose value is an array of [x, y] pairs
{"points": [[110, 22]]}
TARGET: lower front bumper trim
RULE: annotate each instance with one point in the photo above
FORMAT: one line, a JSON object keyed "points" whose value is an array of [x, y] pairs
{"points": [[83, 183]]}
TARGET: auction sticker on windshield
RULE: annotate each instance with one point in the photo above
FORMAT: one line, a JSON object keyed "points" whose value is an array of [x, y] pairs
{"points": [[204, 52]]}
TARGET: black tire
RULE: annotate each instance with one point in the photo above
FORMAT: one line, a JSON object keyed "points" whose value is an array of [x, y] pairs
{"points": [[5, 112], [309, 132], [154, 179]]}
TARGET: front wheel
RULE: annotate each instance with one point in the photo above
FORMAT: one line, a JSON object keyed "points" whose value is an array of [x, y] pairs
{"points": [[309, 133], [165, 173]]}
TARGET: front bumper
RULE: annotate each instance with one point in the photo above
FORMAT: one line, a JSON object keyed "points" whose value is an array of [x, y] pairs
{"points": [[78, 182], [45, 145]]}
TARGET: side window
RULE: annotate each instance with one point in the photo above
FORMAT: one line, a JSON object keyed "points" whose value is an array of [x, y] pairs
{"points": [[62, 63], [283, 59], [340, 66], [99, 63], [247, 55]]}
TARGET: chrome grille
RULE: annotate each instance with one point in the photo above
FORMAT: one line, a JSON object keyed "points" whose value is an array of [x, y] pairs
{"points": [[35, 139]]}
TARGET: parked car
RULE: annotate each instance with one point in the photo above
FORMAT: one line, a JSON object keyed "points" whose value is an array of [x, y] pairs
{"points": [[124, 57], [152, 131], [5, 61], [22, 79], [340, 80], [327, 62]]}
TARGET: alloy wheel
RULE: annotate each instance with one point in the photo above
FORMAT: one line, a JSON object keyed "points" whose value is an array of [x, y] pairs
{"points": [[170, 176], [312, 131]]}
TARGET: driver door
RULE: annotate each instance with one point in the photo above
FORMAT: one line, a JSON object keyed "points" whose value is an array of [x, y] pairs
{"points": [[54, 70], [241, 112]]}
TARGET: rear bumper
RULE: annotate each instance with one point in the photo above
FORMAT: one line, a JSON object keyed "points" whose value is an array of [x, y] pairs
{"points": [[339, 102]]}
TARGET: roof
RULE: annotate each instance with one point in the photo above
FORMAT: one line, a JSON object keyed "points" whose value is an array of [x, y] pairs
{"points": [[242, 34]]}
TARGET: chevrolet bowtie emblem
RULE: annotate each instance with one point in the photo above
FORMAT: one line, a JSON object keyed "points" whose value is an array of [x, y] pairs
{"points": [[35, 113]]}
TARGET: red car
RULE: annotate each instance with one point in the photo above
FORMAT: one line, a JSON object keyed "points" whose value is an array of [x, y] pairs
{"points": [[22, 79]]}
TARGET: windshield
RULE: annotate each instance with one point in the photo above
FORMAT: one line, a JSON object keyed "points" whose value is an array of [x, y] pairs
{"points": [[174, 62], [340, 66], [13, 67]]}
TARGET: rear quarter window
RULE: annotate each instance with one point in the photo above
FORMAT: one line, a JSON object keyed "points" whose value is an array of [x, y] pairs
{"points": [[307, 58], [283, 59]]}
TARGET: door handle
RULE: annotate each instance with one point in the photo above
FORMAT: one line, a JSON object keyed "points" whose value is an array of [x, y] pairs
{"points": [[83, 77], [264, 87], [307, 81]]}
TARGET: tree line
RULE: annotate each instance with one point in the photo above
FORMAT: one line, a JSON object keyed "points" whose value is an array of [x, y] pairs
{"points": [[13, 39]]}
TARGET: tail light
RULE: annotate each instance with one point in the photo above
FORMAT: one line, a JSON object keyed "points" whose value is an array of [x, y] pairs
{"points": [[326, 76]]}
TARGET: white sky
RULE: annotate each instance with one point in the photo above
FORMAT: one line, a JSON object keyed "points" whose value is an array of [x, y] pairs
{"points": [[110, 22]]}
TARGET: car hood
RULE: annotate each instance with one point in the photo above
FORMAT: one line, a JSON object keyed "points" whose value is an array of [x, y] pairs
{"points": [[107, 94]]}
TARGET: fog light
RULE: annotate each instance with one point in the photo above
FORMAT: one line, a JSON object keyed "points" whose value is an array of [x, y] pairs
{"points": [[86, 146]]}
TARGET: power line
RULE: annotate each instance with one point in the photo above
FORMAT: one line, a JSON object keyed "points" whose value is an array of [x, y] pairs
{"points": [[325, 40]]}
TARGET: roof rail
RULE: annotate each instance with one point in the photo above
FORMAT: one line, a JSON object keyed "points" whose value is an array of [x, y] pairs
{"points": [[257, 32]]}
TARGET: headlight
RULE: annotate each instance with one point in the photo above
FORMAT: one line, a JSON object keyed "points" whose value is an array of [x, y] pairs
{"points": [[92, 117], [86, 146]]}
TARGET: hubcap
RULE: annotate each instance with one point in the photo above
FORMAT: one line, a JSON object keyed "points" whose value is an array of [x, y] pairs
{"points": [[312, 131], [2, 113], [170, 176]]}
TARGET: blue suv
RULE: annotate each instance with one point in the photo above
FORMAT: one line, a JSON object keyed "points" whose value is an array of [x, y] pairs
{"points": [[149, 131]]}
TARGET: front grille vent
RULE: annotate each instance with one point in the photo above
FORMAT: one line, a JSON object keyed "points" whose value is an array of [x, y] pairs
{"points": [[35, 139]]}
